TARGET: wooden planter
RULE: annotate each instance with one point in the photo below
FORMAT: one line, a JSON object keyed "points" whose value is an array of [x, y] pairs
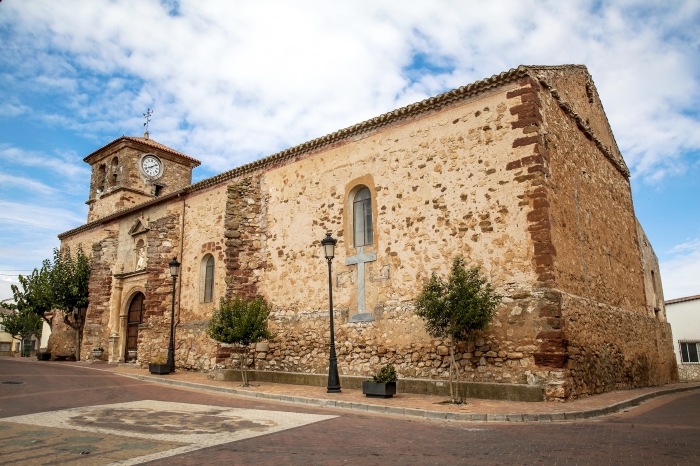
{"points": [[379, 390], [160, 369]]}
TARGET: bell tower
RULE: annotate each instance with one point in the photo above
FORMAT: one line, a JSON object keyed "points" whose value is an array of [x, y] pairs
{"points": [[131, 170]]}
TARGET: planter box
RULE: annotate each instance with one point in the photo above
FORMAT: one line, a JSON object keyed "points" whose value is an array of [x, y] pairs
{"points": [[381, 390], [160, 369]]}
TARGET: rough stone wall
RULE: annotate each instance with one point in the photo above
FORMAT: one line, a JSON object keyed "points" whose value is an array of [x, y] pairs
{"points": [[606, 339], [245, 260], [96, 329], [652, 277], [204, 234], [363, 348], [194, 350], [163, 245], [114, 200], [612, 348], [592, 219], [689, 372], [441, 187]]}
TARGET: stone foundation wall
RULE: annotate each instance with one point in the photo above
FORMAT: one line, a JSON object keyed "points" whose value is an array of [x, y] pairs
{"points": [[689, 372], [506, 353], [610, 348], [194, 350]]}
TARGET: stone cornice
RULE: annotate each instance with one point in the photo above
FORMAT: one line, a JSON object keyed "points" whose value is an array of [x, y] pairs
{"points": [[130, 274]]}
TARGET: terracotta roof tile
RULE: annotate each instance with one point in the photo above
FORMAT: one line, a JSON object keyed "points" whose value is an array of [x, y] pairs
{"points": [[147, 142], [682, 300]]}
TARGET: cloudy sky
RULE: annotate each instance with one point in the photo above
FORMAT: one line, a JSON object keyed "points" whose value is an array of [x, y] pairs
{"points": [[230, 82]]}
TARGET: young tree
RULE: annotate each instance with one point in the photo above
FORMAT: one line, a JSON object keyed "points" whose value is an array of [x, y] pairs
{"points": [[21, 324], [69, 279], [36, 295], [456, 308], [241, 323]]}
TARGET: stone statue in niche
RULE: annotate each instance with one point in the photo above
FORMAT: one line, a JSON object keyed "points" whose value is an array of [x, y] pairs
{"points": [[140, 255]]}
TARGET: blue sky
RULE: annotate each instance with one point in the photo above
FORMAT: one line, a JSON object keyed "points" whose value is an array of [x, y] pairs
{"points": [[231, 82]]}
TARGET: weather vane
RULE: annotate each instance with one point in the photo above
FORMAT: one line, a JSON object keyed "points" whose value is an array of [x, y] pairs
{"points": [[147, 116]]}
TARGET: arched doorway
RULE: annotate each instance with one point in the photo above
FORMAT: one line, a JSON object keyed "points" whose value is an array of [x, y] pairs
{"points": [[132, 324]]}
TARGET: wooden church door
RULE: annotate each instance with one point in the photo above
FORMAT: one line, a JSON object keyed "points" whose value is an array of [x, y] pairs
{"points": [[133, 322]]}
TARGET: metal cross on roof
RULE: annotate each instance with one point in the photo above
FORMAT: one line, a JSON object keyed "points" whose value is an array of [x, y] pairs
{"points": [[147, 116]]}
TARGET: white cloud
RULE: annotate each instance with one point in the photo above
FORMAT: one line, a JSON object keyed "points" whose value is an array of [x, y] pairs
{"points": [[681, 274], [25, 184], [66, 164], [33, 216], [232, 81], [5, 288]]}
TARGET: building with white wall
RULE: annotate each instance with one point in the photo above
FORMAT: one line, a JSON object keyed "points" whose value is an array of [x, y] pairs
{"points": [[684, 316]]}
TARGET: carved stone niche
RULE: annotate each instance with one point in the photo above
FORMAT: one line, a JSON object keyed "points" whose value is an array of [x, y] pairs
{"points": [[137, 231]]}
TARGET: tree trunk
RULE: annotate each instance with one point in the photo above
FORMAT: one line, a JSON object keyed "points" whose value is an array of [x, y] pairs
{"points": [[454, 391], [452, 355], [78, 325], [244, 357]]}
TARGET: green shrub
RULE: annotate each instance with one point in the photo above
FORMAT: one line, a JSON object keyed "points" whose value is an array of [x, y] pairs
{"points": [[386, 375]]}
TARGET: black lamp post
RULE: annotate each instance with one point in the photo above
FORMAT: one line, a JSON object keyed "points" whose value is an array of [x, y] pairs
{"points": [[174, 272], [328, 244]]}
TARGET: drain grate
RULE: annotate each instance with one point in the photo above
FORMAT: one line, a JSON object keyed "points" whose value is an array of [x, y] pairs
{"points": [[12, 382]]}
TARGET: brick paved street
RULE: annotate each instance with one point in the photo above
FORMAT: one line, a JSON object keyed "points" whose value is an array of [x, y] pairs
{"points": [[662, 431]]}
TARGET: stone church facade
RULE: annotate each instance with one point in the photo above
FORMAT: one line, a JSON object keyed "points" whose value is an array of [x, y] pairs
{"points": [[519, 173]]}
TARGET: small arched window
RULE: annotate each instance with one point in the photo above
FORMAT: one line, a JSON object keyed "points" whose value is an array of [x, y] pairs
{"points": [[114, 171], [362, 218], [209, 280], [101, 178]]}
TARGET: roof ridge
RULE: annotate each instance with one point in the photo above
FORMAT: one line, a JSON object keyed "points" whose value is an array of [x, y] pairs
{"points": [[385, 119], [147, 142], [680, 300]]}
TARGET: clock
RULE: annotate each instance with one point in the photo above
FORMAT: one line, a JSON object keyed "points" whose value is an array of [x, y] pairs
{"points": [[151, 165]]}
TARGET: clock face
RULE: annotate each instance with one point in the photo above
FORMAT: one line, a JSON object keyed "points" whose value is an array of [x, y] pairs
{"points": [[151, 165]]}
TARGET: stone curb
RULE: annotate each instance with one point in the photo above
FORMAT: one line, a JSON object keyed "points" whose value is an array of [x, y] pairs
{"points": [[420, 413]]}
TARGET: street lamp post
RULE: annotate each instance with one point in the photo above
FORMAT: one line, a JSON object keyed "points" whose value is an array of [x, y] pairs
{"points": [[328, 244], [174, 272]]}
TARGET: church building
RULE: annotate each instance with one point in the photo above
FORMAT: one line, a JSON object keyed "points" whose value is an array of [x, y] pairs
{"points": [[518, 173]]}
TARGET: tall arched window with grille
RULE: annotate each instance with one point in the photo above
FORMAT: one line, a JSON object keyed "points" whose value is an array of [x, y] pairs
{"points": [[362, 218], [209, 280]]}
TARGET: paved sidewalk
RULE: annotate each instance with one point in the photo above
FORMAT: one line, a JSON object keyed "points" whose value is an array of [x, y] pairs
{"points": [[414, 405], [406, 404]]}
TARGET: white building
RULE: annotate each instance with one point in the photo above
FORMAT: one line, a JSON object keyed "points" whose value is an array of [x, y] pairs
{"points": [[684, 316]]}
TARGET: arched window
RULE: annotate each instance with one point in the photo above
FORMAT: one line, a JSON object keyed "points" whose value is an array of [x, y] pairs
{"points": [[101, 178], [209, 280], [114, 172], [362, 218]]}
